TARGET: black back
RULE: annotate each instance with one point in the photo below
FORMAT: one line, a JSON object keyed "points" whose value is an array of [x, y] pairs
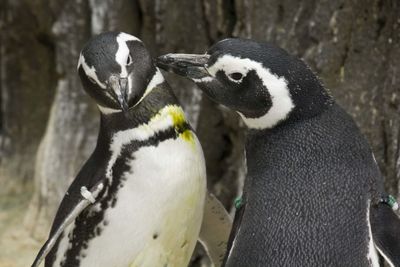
{"points": [[307, 191]]}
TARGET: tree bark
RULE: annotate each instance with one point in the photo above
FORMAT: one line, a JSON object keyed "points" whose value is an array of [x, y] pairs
{"points": [[27, 81]]}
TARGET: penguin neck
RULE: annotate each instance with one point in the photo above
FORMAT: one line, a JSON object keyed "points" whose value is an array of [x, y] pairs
{"points": [[295, 100], [300, 114], [316, 104], [301, 96], [141, 114], [289, 136], [310, 104]]}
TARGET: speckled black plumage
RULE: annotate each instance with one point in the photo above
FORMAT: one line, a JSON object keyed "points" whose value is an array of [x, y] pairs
{"points": [[307, 191]]}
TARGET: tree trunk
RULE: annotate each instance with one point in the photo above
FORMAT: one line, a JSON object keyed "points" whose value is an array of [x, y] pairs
{"points": [[27, 81]]}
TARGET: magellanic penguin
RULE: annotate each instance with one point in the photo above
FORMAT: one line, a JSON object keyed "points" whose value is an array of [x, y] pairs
{"points": [[313, 195], [138, 201]]}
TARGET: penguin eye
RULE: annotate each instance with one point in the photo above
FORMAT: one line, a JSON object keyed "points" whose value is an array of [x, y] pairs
{"points": [[129, 60], [237, 76]]}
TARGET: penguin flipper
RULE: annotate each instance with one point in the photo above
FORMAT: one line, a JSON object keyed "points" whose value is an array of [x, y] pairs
{"points": [[215, 229], [385, 228], [88, 198]]}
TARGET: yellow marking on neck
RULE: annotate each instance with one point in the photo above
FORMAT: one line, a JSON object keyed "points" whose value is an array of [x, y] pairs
{"points": [[179, 121], [187, 136], [178, 117]]}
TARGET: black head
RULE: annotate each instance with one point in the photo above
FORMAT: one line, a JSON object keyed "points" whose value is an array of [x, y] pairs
{"points": [[260, 81], [115, 69]]}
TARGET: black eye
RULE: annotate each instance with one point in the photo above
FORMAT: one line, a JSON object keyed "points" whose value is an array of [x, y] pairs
{"points": [[237, 76], [129, 60]]}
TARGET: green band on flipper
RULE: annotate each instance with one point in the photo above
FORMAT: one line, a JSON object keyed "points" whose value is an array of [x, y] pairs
{"points": [[391, 201], [238, 202]]}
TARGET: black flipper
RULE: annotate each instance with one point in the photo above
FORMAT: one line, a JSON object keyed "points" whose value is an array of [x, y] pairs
{"points": [[240, 208], [87, 198], [385, 227]]}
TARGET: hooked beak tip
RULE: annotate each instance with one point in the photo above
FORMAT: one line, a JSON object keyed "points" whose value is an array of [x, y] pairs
{"points": [[124, 105]]}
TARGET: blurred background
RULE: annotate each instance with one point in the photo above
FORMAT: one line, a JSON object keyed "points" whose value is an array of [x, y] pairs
{"points": [[48, 126]]}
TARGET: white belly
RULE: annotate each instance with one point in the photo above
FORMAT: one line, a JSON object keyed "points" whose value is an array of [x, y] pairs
{"points": [[159, 210]]}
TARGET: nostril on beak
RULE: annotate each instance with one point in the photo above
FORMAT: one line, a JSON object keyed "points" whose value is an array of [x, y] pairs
{"points": [[119, 90], [123, 82]]}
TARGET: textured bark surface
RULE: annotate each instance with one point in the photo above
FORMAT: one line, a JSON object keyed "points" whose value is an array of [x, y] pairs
{"points": [[27, 81], [354, 46], [70, 132]]}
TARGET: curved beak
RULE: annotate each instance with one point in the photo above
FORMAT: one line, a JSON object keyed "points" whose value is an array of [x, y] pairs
{"points": [[118, 89], [188, 65]]}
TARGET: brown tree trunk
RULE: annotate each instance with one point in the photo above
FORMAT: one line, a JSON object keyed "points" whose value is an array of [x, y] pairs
{"points": [[27, 81]]}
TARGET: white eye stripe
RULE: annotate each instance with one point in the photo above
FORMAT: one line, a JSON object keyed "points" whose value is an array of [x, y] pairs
{"points": [[122, 56], [282, 103], [90, 72], [229, 69], [127, 37], [92, 80], [229, 65]]}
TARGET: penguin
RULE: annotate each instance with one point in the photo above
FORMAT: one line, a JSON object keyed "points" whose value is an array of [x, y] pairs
{"points": [[138, 200], [313, 194]]}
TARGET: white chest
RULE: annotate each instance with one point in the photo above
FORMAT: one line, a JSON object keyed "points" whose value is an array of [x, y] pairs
{"points": [[159, 209]]}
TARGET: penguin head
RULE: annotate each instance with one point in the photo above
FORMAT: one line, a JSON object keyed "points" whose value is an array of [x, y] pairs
{"points": [[260, 81], [115, 69]]}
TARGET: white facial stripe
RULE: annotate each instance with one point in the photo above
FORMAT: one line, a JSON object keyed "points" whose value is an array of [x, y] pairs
{"points": [[123, 51], [157, 79], [203, 80], [127, 37], [106, 110], [277, 87], [90, 71]]}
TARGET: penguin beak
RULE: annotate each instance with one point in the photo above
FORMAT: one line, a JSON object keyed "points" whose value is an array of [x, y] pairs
{"points": [[190, 65], [118, 89]]}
